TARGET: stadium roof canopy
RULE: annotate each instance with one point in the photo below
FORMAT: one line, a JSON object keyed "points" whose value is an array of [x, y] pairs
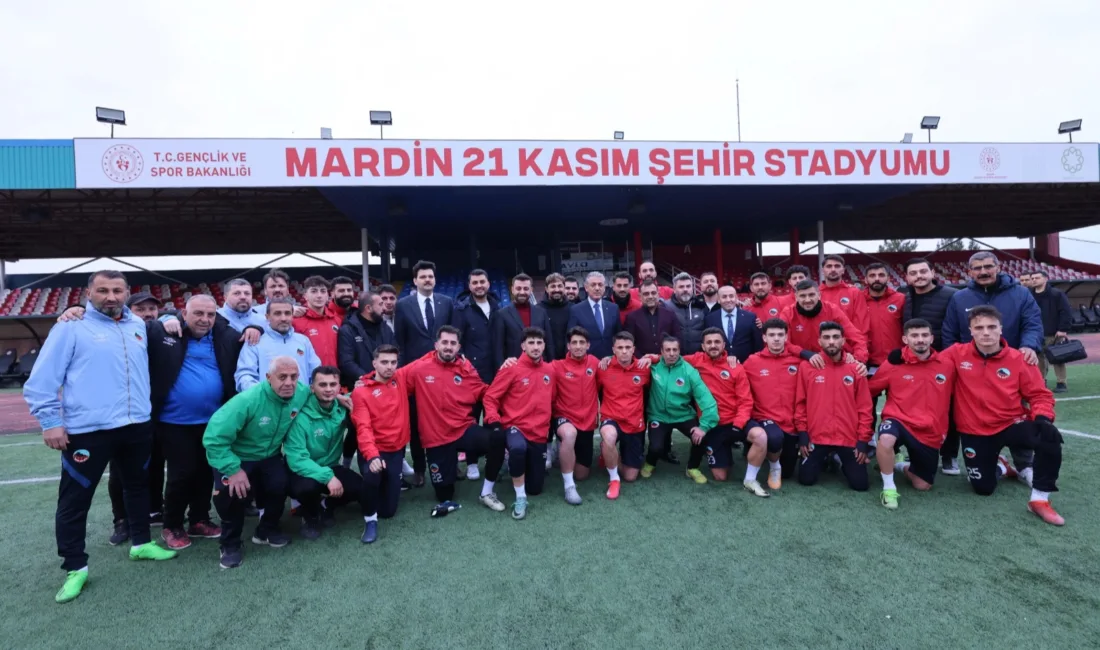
{"points": [[97, 197]]}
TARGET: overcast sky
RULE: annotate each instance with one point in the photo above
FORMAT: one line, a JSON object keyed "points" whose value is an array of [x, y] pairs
{"points": [[852, 70]]}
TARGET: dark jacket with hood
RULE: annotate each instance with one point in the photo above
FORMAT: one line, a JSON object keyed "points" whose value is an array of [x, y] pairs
{"points": [[167, 352], [1021, 324], [475, 332], [931, 306], [692, 316], [356, 342], [558, 313]]}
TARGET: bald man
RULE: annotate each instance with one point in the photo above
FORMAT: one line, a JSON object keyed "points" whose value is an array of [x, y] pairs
{"points": [[243, 442], [191, 377]]}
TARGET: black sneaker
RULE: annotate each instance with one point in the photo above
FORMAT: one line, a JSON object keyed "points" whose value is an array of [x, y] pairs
{"points": [[311, 529], [405, 485], [274, 540], [121, 534], [445, 508], [251, 510], [1061, 388], [230, 558], [671, 458], [328, 518], [156, 519]]}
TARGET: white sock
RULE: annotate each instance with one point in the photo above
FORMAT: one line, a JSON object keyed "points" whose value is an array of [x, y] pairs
{"points": [[567, 478], [373, 517], [776, 467], [1036, 495], [140, 545], [406, 468], [1026, 474], [521, 491], [487, 487], [85, 569], [751, 471], [888, 482], [324, 502], [1002, 469], [901, 466], [613, 472]]}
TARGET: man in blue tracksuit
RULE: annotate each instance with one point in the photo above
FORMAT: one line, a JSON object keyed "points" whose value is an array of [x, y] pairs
{"points": [[100, 365], [238, 309], [1021, 323], [279, 340]]}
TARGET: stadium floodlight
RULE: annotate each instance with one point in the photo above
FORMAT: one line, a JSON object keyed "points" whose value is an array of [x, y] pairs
{"points": [[110, 116], [907, 138], [930, 122], [381, 119], [1069, 128], [619, 135], [326, 133]]}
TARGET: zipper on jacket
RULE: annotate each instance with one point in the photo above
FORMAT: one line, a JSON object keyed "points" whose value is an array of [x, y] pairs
{"points": [[126, 356]]}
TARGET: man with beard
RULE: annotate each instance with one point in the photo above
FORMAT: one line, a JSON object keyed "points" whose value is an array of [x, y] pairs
{"points": [[1021, 324], [918, 382], [832, 413], [648, 271], [1054, 306], [557, 310], [708, 287], [389, 303], [89, 391], [690, 311], [319, 324], [344, 295], [511, 322], [763, 303], [807, 314], [277, 285], [475, 311], [573, 290], [238, 309], [361, 334], [622, 297], [279, 340], [743, 335], [834, 290], [794, 275], [652, 323], [885, 308]]}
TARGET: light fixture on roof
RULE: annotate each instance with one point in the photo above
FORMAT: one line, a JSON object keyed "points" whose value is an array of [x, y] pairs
{"points": [[1069, 128], [110, 116], [930, 122], [907, 138], [326, 133], [619, 135], [381, 119]]}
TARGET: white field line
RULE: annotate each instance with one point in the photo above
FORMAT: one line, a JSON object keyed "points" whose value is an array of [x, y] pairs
{"points": [[1074, 399], [23, 444], [1080, 434]]}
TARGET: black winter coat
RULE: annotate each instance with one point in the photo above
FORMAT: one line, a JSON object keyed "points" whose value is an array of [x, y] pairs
{"points": [[167, 352]]}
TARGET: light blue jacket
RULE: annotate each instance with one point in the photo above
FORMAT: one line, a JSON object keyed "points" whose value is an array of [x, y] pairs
{"points": [[240, 321], [254, 360], [101, 367]]}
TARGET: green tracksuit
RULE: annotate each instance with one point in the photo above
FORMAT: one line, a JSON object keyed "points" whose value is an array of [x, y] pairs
{"points": [[671, 391], [251, 426], [316, 440]]}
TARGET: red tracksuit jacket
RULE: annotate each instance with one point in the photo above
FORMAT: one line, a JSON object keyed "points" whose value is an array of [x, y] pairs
{"points": [[833, 404], [729, 386], [989, 391], [576, 393], [918, 394], [804, 331], [884, 334], [851, 302], [623, 395], [445, 397], [380, 414], [770, 307], [633, 304], [521, 396], [321, 329], [773, 381]]}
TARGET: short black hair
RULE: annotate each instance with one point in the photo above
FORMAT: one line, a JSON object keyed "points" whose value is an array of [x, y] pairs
{"points": [[448, 329], [107, 275], [624, 336], [343, 279], [423, 265], [774, 324], [533, 333], [668, 338], [316, 281], [984, 311], [915, 324], [805, 284], [1042, 273], [829, 326], [915, 261], [278, 301], [797, 268], [713, 330], [476, 272], [520, 277], [649, 282], [332, 371], [873, 266], [387, 288], [386, 348], [276, 274], [833, 257], [759, 274], [706, 273], [577, 331], [573, 280], [623, 275]]}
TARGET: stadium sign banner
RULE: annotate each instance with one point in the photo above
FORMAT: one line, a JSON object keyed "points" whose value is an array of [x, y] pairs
{"points": [[111, 163]]}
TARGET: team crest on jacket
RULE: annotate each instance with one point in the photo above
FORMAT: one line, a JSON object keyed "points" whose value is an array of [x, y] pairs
{"points": [[588, 371], [725, 374], [845, 300], [792, 370], [393, 382], [636, 379], [137, 336], [458, 380], [293, 413], [773, 312], [1004, 373], [546, 379], [941, 379], [335, 328], [848, 380], [301, 352], [680, 381], [319, 431], [891, 308]]}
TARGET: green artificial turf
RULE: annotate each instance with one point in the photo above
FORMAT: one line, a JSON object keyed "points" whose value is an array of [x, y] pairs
{"points": [[671, 564]]}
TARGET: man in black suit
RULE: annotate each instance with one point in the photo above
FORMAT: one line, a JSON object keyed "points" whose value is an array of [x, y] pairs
{"points": [[743, 336], [416, 319], [599, 317], [652, 323], [509, 323]]}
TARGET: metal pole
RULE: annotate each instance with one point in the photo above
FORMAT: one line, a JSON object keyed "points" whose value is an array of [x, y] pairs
{"points": [[364, 241], [1071, 137], [820, 247], [929, 135], [3, 274], [1031, 247], [381, 134], [112, 131], [737, 85]]}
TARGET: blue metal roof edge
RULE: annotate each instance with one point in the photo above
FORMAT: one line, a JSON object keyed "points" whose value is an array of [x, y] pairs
{"points": [[36, 143]]}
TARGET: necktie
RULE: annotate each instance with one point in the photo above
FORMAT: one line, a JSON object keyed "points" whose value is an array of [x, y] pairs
{"points": [[729, 328], [429, 316], [597, 311]]}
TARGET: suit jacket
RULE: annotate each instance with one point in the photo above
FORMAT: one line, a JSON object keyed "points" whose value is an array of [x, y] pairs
{"points": [[646, 341], [582, 314], [413, 338], [508, 333], [747, 337]]}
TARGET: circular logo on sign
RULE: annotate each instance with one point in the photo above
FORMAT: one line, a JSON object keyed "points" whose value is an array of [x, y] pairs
{"points": [[1073, 160], [941, 379], [989, 159], [891, 308], [1003, 373], [122, 163], [725, 374]]}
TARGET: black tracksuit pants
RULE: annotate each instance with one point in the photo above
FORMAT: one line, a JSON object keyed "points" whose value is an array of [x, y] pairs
{"points": [[156, 482], [268, 481], [381, 491], [309, 492], [188, 487]]}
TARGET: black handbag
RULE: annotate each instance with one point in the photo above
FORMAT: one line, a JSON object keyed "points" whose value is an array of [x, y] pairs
{"points": [[1065, 351]]}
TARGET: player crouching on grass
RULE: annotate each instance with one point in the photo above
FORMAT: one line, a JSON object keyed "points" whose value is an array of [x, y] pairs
{"points": [[519, 402], [832, 413], [993, 383], [918, 382]]}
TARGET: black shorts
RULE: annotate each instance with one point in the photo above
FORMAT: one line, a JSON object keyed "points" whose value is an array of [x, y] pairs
{"points": [[526, 459], [774, 433], [583, 447], [718, 445], [923, 460], [631, 445]]}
